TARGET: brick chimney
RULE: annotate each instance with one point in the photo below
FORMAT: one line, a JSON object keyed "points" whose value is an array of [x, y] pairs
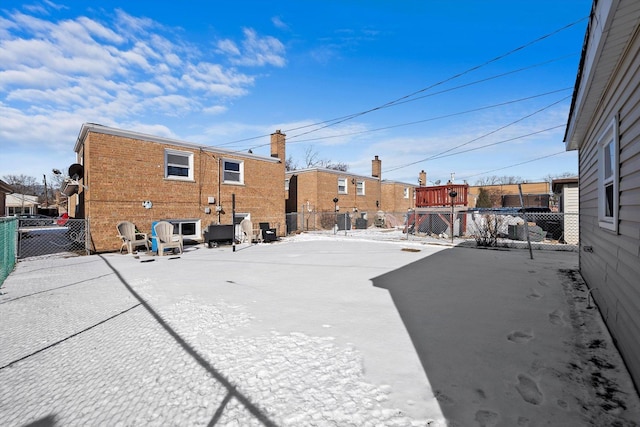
{"points": [[422, 179], [277, 145], [376, 168]]}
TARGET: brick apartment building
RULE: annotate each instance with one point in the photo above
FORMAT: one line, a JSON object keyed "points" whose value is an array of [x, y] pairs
{"points": [[130, 176], [314, 189]]}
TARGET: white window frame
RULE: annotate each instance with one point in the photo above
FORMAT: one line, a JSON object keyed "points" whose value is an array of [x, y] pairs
{"points": [[188, 155], [360, 188], [406, 192], [240, 180], [342, 186], [286, 184], [178, 225], [608, 215]]}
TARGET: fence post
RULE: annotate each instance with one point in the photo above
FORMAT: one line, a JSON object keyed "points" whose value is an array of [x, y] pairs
{"points": [[526, 221]]}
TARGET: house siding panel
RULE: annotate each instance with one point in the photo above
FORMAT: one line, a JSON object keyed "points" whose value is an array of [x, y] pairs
{"points": [[613, 268]]}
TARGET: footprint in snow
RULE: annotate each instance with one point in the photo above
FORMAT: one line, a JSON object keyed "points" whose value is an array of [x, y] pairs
{"points": [[520, 336], [534, 294], [529, 390], [486, 418], [557, 318]]}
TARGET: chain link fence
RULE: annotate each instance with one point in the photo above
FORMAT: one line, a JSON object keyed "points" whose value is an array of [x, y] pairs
{"points": [[544, 230], [8, 244], [483, 227], [38, 239], [338, 221]]}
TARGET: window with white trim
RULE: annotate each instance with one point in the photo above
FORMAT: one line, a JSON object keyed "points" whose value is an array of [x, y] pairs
{"points": [[342, 185], [286, 184], [360, 188], [608, 177], [406, 192], [178, 164], [233, 171]]}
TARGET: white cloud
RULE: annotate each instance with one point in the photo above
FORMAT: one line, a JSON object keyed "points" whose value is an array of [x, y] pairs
{"points": [[279, 23], [117, 70], [255, 51], [215, 109]]}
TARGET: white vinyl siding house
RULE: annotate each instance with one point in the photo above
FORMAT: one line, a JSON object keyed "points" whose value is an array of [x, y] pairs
{"points": [[604, 126]]}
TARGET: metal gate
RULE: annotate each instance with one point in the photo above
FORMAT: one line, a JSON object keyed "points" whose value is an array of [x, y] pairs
{"points": [[46, 237]]}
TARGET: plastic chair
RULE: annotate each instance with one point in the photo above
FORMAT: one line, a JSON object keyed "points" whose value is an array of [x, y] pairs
{"points": [[165, 239], [131, 239]]}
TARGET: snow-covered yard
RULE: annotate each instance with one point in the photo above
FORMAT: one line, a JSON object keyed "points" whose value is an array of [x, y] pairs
{"points": [[363, 329]]}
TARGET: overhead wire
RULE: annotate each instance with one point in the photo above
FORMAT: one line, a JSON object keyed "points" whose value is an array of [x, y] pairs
{"points": [[402, 99], [445, 116], [479, 137], [514, 165]]}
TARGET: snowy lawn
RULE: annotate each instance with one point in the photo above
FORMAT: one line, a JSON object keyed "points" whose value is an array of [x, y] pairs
{"points": [[319, 329]]}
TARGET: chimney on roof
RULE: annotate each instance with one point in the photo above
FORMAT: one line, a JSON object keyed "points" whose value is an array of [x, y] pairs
{"points": [[376, 167], [422, 179], [277, 145]]}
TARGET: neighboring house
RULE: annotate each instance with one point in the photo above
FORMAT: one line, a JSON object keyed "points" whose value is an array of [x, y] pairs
{"points": [[21, 204], [534, 194], [5, 189], [604, 126], [566, 192], [314, 190], [129, 176]]}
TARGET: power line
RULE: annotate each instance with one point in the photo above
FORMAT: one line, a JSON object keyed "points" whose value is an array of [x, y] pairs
{"points": [[499, 142], [486, 107], [517, 164], [478, 138], [402, 99]]}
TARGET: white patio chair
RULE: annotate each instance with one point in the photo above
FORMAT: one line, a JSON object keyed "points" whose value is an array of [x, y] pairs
{"points": [[165, 239], [130, 238], [248, 233]]}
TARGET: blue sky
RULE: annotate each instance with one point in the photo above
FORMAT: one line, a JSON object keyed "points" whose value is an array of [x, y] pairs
{"points": [[414, 82]]}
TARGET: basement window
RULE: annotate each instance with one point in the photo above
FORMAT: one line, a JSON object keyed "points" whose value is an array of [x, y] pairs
{"points": [[178, 165], [608, 177]]}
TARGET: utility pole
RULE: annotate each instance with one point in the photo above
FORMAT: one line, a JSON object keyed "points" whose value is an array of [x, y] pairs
{"points": [[46, 193]]}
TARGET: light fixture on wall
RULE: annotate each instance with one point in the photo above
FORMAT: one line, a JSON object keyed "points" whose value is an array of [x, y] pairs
{"points": [[147, 204]]}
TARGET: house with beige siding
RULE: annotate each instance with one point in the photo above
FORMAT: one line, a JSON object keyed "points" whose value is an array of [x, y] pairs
{"points": [[358, 196], [604, 127], [123, 175]]}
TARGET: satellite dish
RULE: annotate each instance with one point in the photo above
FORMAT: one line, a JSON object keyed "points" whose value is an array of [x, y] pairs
{"points": [[438, 182], [76, 171]]}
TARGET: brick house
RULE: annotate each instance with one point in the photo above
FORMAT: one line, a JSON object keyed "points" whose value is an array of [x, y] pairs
{"points": [[314, 189], [124, 175], [535, 194]]}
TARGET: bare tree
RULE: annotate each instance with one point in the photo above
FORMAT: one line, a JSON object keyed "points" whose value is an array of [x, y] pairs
{"points": [[498, 180], [312, 160], [22, 184], [290, 164], [550, 177]]}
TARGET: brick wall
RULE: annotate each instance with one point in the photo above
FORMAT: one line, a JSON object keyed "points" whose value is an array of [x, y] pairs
{"points": [[122, 172]]}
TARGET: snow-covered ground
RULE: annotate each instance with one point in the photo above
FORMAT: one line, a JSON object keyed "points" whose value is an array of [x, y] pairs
{"points": [[319, 329]]}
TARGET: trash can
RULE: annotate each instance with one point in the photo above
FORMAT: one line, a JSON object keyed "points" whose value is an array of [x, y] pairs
{"points": [[361, 223], [344, 221]]}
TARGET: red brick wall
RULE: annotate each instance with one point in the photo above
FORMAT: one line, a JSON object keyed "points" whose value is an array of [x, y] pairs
{"points": [[121, 173]]}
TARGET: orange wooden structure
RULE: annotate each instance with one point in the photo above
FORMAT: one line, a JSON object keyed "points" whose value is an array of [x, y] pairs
{"points": [[438, 195]]}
